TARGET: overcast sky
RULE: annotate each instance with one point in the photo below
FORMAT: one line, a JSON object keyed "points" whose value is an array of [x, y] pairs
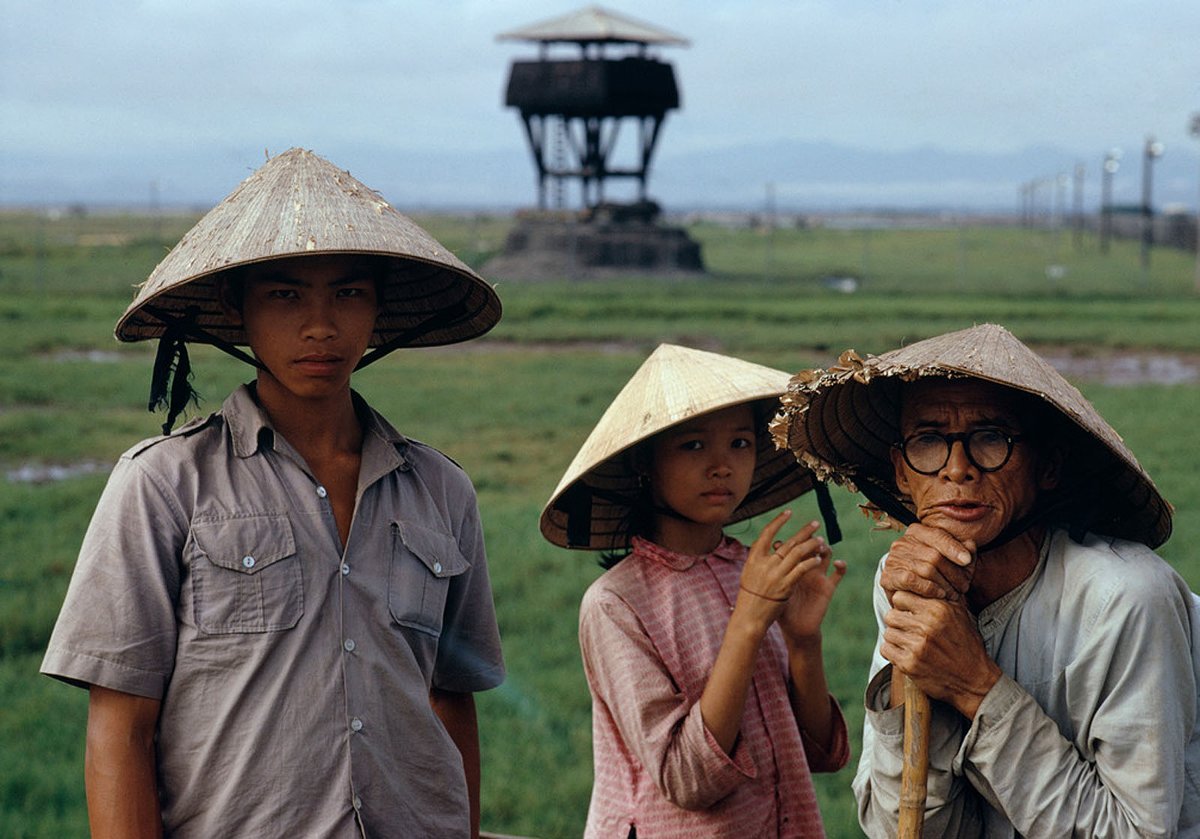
{"points": [[119, 89]]}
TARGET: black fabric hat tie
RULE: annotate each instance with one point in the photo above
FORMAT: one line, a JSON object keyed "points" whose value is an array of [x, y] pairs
{"points": [[171, 382]]}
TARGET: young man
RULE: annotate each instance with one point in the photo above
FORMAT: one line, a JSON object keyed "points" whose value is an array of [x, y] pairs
{"points": [[282, 610], [1024, 596]]}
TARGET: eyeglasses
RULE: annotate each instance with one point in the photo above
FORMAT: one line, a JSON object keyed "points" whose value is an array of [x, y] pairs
{"points": [[928, 452]]}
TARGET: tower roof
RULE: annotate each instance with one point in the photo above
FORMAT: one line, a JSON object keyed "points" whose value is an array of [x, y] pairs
{"points": [[594, 25]]}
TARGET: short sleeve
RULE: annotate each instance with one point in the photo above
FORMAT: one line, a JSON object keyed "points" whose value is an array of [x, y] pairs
{"points": [[117, 627], [469, 656]]}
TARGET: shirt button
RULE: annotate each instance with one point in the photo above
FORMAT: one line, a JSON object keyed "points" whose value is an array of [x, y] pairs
{"points": [[357, 803], [248, 561], [437, 567], [356, 724], [349, 645], [322, 492], [345, 569]]}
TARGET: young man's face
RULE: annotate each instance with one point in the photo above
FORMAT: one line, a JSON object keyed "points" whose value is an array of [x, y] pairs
{"points": [[961, 498], [702, 469], [310, 319]]}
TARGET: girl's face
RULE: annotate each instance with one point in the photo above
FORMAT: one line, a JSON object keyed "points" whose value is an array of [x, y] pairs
{"points": [[701, 470]]}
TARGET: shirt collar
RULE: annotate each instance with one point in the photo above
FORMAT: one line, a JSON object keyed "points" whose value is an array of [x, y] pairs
{"points": [[251, 430], [248, 424], [729, 550]]}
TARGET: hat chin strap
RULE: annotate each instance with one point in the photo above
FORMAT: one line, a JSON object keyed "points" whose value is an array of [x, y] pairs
{"points": [[449, 316], [171, 381]]}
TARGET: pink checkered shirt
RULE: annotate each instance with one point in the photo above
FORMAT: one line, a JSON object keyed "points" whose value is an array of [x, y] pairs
{"points": [[649, 630]]}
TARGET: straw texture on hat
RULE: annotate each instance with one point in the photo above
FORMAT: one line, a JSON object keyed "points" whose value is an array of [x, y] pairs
{"points": [[590, 507], [300, 204], [842, 422]]}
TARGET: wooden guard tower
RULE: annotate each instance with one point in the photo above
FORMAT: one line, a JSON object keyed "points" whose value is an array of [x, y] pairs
{"points": [[573, 106]]}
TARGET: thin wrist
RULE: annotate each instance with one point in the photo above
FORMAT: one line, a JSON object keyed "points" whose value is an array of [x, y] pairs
{"points": [[968, 704], [746, 618], [803, 644]]}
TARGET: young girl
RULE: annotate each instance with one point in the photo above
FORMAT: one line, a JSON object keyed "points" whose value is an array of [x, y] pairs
{"points": [[709, 700]]}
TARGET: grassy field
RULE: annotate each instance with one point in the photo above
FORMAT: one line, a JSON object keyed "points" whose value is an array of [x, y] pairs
{"points": [[513, 408]]}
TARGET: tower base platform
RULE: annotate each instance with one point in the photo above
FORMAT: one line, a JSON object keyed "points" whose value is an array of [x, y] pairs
{"points": [[608, 241]]}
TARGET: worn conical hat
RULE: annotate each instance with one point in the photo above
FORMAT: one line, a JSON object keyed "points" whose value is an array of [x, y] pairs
{"points": [[299, 204], [843, 421], [591, 504]]}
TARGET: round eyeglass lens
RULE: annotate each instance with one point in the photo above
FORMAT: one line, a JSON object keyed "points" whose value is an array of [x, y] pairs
{"points": [[928, 451], [988, 448]]}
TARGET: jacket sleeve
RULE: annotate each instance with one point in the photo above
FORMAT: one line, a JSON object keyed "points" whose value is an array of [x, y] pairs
{"points": [[1131, 691]]}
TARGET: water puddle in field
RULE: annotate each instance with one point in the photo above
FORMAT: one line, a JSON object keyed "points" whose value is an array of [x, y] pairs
{"points": [[45, 473], [94, 356], [1124, 369]]}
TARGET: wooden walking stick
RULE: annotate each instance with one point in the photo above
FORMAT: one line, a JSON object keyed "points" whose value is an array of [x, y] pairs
{"points": [[915, 772]]}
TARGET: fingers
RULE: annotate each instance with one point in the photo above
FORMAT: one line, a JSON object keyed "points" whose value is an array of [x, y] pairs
{"points": [[942, 542], [799, 544], [928, 561], [764, 541]]}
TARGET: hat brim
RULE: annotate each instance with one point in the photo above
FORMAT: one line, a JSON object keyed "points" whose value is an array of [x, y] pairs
{"points": [[591, 507], [421, 304], [842, 421], [300, 205]]}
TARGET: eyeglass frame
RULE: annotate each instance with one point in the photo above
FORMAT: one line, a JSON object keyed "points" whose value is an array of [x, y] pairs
{"points": [[963, 437]]}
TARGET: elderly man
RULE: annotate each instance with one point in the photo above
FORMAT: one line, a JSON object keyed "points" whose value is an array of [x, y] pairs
{"points": [[1024, 597]]}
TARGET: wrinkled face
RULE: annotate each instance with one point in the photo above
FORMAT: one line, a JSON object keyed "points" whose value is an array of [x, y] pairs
{"points": [[310, 319], [961, 498], [702, 469]]}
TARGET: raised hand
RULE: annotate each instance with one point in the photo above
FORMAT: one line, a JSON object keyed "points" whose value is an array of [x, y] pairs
{"points": [[773, 568], [805, 610], [929, 562]]}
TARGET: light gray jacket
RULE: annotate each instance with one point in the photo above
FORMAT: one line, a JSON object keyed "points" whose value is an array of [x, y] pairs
{"points": [[1092, 730]]}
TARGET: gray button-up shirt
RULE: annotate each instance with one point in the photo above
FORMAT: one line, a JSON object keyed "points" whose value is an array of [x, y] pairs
{"points": [[294, 675], [1091, 732]]}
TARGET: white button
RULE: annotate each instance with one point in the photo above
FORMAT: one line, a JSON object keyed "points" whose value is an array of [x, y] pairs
{"points": [[356, 724], [248, 561], [345, 569], [349, 645], [322, 492], [357, 803], [437, 567]]}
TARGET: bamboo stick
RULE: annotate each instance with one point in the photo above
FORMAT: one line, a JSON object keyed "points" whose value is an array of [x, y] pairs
{"points": [[915, 773]]}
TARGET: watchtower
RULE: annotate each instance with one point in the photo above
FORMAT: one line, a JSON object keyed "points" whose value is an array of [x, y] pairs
{"points": [[573, 106]]}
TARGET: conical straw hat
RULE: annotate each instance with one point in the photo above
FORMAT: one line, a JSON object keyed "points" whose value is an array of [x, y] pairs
{"points": [[589, 507], [842, 421], [300, 204]]}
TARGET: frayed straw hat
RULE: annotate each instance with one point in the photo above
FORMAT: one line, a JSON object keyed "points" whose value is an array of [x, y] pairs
{"points": [[300, 204], [841, 422], [590, 507]]}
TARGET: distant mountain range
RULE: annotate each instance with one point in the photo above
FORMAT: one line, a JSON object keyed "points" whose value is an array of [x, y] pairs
{"points": [[788, 175]]}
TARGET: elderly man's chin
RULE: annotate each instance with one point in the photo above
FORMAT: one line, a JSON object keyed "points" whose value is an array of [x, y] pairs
{"points": [[976, 524]]}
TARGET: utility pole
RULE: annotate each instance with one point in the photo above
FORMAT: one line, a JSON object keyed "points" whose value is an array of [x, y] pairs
{"points": [[1077, 210], [1151, 152], [1112, 162], [1194, 130]]}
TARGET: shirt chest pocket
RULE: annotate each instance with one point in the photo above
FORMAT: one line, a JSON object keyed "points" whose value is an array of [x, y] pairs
{"points": [[423, 563], [246, 575]]}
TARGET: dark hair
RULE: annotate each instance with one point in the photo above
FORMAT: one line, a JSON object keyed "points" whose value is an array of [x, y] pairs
{"points": [[639, 511]]}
